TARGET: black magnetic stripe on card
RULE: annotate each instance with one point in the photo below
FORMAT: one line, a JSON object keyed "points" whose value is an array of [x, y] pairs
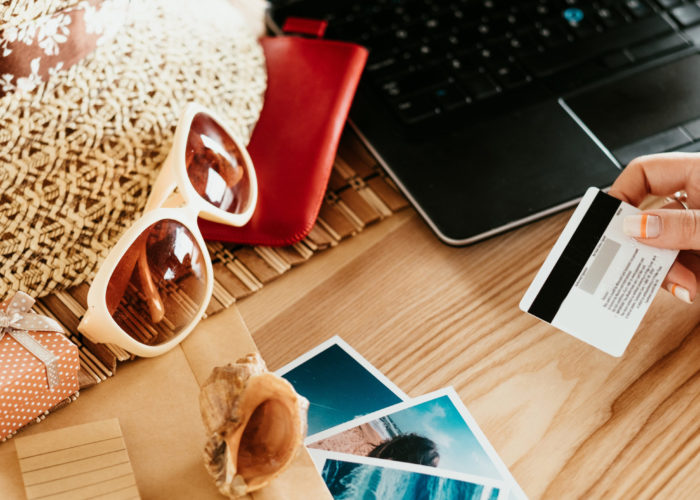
{"points": [[574, 257]]}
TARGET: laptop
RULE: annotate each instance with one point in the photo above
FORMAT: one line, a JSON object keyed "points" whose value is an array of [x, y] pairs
{"points": [[489, 114]]}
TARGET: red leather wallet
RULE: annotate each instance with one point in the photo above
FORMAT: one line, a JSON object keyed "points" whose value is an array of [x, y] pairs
{"points": [[310, 87]]}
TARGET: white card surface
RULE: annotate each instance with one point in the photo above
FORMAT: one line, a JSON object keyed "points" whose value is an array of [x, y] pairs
{"points": [[597, 283]]}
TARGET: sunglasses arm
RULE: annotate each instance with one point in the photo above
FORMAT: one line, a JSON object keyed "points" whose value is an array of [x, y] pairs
{"points": [[165, 184], [156, 308]]}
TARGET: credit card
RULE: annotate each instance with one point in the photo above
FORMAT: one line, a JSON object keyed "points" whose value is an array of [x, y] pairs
{"points": [[597, 283]]}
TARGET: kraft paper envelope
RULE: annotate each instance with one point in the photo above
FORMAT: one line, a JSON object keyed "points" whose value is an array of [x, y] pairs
{"points": [[157, 403]]}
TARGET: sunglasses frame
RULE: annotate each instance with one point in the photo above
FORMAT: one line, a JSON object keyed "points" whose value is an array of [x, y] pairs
{"points": [[97, 324]]}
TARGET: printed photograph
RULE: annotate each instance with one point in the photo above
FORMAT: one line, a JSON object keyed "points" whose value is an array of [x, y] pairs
{"points": [[434, 430], [360, 478], [339, 384], [429, 433]]}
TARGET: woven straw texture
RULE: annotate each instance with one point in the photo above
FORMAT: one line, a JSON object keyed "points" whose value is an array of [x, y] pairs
{"points": [[79, 154], [20, 11]]}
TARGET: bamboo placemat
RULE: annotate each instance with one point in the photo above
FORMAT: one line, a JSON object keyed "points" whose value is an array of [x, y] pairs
{"points": [[359, 194]]}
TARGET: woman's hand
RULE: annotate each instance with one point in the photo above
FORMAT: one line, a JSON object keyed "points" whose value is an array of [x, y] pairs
{"points": [[672, 226]]}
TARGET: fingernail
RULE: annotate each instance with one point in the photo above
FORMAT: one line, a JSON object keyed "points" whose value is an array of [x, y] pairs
{"points": [[680, 293], [642, 226]]}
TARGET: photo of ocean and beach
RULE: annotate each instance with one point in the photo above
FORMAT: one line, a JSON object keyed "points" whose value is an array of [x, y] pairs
{"points": [[340, 385], [361, 478], [432, 432]]}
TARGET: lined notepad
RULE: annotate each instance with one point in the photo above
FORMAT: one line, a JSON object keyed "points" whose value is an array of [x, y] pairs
{"points": [[83, 461]]}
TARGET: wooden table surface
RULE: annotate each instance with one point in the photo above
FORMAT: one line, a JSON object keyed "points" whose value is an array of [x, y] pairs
{"points": [[568, 420]]}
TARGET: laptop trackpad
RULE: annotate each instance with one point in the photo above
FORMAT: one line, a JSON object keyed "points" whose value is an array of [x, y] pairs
{"points": [[648, 112]]}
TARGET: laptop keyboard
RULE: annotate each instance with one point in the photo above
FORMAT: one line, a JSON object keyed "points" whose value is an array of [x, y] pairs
{"points": [[435, 58]]}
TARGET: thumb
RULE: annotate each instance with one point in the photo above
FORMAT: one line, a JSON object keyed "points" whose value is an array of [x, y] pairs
{"points": [[681, 282], [677, 229]]}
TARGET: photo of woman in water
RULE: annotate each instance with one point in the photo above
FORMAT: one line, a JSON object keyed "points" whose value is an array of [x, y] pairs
{"points": [[431, 432], [410, 448]]}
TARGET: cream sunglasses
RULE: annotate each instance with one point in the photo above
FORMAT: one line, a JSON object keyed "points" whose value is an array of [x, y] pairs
{"points": [[155, 284]]}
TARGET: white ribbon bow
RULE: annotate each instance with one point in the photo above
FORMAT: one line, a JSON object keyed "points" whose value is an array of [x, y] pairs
{"points": [[17, 318]]}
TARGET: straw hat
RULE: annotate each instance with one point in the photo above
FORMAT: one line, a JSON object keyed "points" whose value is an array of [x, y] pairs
{"points": [[82, 135]]}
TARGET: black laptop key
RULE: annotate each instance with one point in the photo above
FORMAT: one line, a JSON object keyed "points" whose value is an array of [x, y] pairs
{"points": [[379, 60], [667, 4], [491, 58], [380, 41], [511, 76], [525, 44], [386, 67], [552, 34], [582, 19], [609, 17], [447, 42], [659, 46], [410, 57], [616, 59], [501, 24], [638, 8], [542, 64], [409, 83], [687, 15], [417, 108], [478, 86], [585, 30], [548, 63], [449, 97], [628, 34], [382, 18]]}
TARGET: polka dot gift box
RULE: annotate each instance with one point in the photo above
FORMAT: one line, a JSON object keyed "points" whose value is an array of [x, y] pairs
{"points": [[38, 364]]}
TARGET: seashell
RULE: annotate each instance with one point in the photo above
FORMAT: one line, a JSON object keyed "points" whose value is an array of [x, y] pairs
{"points": [[256, 423]]}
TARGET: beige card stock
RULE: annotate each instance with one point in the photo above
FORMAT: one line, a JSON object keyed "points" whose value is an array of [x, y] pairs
{"points": [[81, 461], [157, 403]]}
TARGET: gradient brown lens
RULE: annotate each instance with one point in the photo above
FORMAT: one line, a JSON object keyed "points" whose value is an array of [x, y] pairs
{"points": [[215, 165], [159, 284]]}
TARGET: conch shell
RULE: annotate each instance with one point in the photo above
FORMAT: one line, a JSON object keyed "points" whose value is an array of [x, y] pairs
{"points": [[256, 423]]}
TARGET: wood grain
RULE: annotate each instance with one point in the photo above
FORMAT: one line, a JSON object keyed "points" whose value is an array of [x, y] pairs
{"points": [[569, 421]]}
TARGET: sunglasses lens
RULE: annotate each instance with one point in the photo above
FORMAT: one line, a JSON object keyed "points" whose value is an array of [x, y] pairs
{"points": [[159, 284], [215, 165]]}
